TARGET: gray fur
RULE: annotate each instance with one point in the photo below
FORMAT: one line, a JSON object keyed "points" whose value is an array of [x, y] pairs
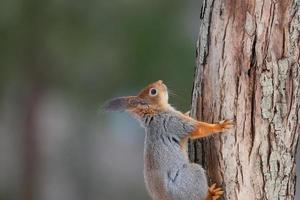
{"points": [[168, 173]]}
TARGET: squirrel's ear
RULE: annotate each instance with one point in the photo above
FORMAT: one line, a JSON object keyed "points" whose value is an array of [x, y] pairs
{"points": [[123, 103]]}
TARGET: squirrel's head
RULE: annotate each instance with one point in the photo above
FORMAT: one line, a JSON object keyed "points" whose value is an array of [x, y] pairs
{"points": [[155, 96]]}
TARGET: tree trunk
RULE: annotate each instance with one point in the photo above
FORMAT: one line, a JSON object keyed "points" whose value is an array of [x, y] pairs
{"points": [[248, 69]]}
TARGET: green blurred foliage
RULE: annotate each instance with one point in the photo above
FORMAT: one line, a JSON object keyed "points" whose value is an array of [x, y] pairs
{"points": [[92, 50], [83, 53]]}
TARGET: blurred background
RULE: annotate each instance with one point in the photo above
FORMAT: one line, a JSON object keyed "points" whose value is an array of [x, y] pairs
{"points": [[60, 60]]}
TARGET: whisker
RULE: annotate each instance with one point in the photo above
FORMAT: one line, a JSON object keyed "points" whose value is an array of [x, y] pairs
{"points": [[178, 97], [171, 92]]}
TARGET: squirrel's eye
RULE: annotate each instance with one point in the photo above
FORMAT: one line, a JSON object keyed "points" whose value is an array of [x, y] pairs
{"points": [[153, 92]]}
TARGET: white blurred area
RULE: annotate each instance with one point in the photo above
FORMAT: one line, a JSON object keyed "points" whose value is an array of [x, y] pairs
{"points": [[81, 155]]}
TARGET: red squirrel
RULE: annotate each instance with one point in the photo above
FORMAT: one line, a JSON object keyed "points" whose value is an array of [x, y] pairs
{"points": [[168, 173]]}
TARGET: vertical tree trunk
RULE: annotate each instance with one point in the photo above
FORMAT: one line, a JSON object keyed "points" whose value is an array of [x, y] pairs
{"points": [[248, 69]]}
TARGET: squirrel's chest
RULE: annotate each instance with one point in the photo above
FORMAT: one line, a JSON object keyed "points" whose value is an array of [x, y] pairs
{"points": [[162, 159], [162, 152], [163, 155]]}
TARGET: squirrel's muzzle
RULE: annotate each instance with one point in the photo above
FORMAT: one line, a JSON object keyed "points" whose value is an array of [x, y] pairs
{"points": [[123, 103]]}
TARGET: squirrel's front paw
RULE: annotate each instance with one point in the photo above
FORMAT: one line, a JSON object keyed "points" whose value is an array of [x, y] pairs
{"points": [[214, 192], [226, 124]]}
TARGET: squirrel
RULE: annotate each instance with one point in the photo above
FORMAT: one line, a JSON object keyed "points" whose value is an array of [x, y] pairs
{"points": [[168, 173]]}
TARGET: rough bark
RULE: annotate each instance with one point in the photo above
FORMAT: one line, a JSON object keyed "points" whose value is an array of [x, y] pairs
{"points": [[248, 69]]}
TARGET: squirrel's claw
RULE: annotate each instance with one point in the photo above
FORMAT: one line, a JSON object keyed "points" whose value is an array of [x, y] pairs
{"points": [[226, 124], [214, 192]]}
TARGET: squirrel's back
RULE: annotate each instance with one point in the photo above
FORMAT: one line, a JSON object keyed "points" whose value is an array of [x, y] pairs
{"points": [[168, 173]]}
